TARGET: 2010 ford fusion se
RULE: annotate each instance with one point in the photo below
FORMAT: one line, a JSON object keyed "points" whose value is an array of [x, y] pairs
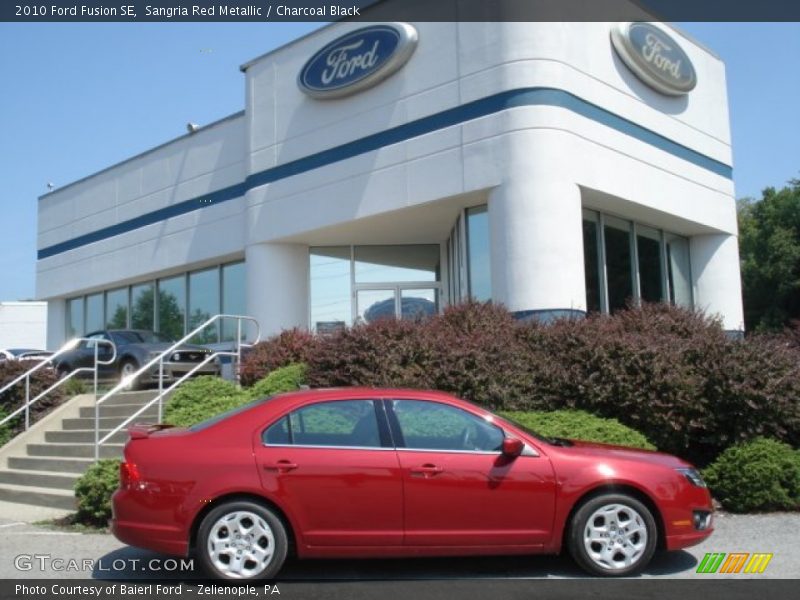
{"points": [[364, 472]]}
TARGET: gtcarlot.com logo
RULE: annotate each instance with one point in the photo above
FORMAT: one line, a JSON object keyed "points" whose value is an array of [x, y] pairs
{"points": [[735, 562]]}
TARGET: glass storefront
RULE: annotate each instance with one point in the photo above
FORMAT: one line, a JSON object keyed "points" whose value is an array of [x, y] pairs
{"points": [[117, 309], [626, 262], [478, 253], [204, 303], [172, 306], [143, 306], [363, 284]]}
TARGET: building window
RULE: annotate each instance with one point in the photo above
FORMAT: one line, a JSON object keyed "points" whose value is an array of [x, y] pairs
{"points": [[396, 264], [478, 253], [162, 305], [679, 271], [172, 307], [75, 326], [619, 273], [233, 300], [94, 313], [143, 306], [591, 262], [330, 290], [367, 283], [625, 261], [648, 254], [204, 301], [117, 309]]}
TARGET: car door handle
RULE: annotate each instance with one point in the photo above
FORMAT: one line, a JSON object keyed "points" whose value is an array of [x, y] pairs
{"points": [[426, 470], [282, 466]]}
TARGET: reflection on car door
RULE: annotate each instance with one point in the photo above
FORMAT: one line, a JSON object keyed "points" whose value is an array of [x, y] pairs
{"points": [[458, 488], [333, 466]]}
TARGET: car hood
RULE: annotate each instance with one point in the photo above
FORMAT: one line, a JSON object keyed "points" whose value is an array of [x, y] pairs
{"points": [[161, 346], [599, 451]]}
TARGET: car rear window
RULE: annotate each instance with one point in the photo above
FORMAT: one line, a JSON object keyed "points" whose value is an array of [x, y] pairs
{"points": [[227, 414]]}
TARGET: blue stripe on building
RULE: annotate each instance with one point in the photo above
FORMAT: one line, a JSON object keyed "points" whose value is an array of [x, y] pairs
{"points": [[447, 118]]}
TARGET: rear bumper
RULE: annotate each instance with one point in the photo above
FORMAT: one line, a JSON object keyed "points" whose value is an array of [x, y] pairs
{"points": [[131, 524], [159, 539]]}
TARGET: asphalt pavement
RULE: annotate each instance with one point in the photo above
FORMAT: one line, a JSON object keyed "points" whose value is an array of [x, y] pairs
{"points": [[35, 552]]}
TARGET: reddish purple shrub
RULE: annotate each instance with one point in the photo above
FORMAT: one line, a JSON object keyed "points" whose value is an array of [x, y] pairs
{"points": [[290, 346]]}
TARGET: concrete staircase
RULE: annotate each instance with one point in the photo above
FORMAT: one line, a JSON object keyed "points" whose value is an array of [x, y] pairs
{"points": [[40, 466]]}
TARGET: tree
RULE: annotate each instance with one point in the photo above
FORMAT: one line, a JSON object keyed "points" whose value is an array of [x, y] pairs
{"points": [[769, 245]]}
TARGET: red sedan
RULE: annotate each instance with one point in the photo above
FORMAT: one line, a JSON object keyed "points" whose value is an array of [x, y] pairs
{"points": [[395, 473]]}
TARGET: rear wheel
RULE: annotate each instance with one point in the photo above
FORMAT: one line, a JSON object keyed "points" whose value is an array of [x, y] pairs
{"points": [[613, 535], [242, 540], [126, 370]]}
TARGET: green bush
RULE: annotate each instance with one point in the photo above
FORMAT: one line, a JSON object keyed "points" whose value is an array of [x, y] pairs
{"points": [[580, 425], [93, 491], [7, 430], [758, 475], [201, 399], [187, 415], [75, 387], [284, 379]]}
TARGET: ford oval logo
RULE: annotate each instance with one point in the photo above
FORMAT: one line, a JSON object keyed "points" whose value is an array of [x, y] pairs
{"points": [[358, 60], [654, 57]]}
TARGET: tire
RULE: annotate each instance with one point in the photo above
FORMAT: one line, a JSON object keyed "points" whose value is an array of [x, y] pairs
{"points": [[242, 518], [129, 366], [612, 535], [62, 371]]}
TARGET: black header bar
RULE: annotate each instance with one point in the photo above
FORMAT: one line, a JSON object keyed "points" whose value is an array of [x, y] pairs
{"points": [[396, 10]]}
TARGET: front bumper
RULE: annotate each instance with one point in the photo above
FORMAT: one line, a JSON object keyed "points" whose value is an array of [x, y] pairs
{"points": [[175, 370]]}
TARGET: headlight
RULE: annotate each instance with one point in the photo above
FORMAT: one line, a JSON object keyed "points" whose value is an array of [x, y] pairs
{"points": [[692, 475]]}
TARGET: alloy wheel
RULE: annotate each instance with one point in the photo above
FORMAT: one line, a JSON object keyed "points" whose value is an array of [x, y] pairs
{"points": [[241, 544], [615, 537]]}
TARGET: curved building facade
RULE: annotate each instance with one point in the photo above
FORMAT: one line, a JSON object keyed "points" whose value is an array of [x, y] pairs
{"points": [[393, 169]]}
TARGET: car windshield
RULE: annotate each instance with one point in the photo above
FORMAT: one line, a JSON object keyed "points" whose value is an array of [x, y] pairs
{"points": [[528, 430], [222, 416], [135, 336]]}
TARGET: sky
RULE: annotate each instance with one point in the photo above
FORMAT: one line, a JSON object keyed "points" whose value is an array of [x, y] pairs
{"points": [[76, 98]]}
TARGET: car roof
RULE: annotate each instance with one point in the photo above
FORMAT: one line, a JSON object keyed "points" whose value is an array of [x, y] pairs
{"points": [[301, 397]]}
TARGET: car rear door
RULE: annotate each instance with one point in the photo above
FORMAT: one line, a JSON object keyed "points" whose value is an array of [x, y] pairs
{"points": [[459, 490], [333, 464]]}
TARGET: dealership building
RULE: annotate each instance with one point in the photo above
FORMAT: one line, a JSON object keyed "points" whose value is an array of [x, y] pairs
{"points": [[392, 169]]}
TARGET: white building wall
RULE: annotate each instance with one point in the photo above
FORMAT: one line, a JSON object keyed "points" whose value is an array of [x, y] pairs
{"points": [[23, 325]]}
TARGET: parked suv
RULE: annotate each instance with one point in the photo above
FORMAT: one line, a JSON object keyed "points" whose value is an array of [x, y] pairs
{"points": [[135, 348]]}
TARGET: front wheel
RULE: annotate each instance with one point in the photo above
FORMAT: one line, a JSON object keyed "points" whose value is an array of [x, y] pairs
{"points": [[613, 535], [126, 371], [242, 540]]}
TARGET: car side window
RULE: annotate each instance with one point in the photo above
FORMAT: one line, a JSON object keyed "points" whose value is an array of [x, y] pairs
{"points": [[427, 425], [344, 423]]}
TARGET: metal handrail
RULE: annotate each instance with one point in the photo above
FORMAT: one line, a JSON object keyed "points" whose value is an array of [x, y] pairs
{"points": [[126, 381], [70, 345]]}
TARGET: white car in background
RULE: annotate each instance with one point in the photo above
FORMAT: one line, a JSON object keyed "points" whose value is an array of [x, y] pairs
{"points": [[24, 354]]}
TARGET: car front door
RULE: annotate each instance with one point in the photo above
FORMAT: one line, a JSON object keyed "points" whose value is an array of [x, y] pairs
{"points": [[459, 490], [333, 466]]}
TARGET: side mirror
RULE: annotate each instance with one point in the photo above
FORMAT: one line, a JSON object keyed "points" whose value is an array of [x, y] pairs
{"points": [[512, 447]]}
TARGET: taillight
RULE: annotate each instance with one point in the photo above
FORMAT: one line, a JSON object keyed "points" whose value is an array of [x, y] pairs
{"points": [[128, 475]]}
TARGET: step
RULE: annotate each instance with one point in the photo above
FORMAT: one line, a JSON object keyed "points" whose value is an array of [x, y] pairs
{"points": [[62, 481], [107, 423], [77, 436], [138, 398], [38, 496], [118, 410], [74, 450], [50, 465]]}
